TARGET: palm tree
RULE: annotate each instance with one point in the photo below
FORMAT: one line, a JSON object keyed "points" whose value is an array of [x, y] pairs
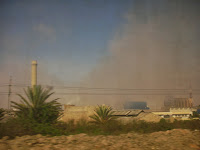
{"points": [[36, 107], [103, 115]]}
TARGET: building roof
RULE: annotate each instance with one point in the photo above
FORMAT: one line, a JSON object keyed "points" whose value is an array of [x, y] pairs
{"points": [[126, 112]]}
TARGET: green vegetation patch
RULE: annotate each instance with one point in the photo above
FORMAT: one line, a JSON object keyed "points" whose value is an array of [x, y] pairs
{"points": [[28, 122]]}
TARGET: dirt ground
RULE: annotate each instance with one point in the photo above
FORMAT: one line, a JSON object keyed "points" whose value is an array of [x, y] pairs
{"points": [[177, 139]]}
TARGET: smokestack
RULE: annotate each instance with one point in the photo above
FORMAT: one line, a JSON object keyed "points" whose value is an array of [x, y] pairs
{"points": [[34, 73]]}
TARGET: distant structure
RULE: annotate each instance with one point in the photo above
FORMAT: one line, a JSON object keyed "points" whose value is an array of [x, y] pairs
{"points": [[171, 102], [135, 105], [33, 73], [72, 112], [178, 103], [181, 113], [183, 103]]}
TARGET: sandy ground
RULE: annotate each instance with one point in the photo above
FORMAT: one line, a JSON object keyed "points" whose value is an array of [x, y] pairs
{"points": [[177, 139]]}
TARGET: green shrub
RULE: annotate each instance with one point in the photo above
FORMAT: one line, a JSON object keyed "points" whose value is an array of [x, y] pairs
{"points": [[66, 127], [142, 127], [82, 126], [103, 115], [114, 127], [195, 114], [14, 127], [35, 107], [164, 125], [46, 129]]}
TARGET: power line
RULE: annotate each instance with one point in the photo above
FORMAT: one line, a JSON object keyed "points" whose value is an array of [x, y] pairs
{"points": [[121, 94], [120, 89], [92, 90], [108, 93], [17, 85], [101, 88], [98, 88]]}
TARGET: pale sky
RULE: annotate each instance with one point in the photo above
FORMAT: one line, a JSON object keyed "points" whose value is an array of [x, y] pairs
{"points": [[67, 37]]}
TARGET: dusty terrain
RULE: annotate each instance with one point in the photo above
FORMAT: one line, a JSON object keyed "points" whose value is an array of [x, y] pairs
{"points": [[177, 139]]}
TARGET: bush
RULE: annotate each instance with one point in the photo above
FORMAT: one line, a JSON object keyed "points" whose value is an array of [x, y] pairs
{"points": [[164, 125], [46, 129], [14, 127], [195, 115], [34, 115], [66, 127], [114, 127], [35, 107], [103, 115]]}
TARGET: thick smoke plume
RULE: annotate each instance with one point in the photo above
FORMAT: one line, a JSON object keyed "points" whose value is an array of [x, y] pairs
{"points": [[157, 48]]}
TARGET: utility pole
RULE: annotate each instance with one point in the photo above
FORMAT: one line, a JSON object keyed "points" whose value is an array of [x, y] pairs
{"points": [[9, 91], [190, 96]]}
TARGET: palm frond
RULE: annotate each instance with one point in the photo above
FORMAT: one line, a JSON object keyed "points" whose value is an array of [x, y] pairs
{"points": [[2, 113], [103, 114], [24, 100], [35, 105]]}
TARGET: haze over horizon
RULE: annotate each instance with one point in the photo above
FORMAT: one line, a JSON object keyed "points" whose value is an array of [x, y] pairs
{"points": [[137, 44]]}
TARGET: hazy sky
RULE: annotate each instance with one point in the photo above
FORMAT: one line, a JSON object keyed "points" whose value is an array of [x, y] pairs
{"points": [[102, 43], [67, 37], [157, 48]]}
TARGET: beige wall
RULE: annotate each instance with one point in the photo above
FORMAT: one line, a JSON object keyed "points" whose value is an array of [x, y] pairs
{"points": [[77, 112]]}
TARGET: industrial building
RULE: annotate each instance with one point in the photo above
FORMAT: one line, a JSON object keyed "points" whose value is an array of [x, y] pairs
{"points": [[177, 107], [178, 103], [182, 113]]}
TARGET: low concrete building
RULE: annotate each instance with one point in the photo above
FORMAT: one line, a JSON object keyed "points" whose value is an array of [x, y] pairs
{"points": [[126, 116], [77, 113], [183, 113]]}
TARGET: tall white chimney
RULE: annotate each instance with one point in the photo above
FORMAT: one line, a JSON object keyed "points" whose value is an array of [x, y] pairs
{"points": [[34, 73]]}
